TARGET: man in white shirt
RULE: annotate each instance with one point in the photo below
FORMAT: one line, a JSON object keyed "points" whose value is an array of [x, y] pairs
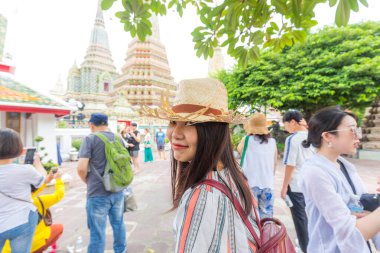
{"points": [[294, 157]]}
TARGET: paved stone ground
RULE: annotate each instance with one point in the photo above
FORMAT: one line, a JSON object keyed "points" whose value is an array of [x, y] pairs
{"points": [[149, 229]]}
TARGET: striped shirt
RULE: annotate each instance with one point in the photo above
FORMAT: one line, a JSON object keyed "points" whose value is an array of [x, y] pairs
{"points": [[207, 221]]}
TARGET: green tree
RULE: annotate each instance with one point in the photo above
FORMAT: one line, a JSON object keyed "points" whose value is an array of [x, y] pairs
{"points": [[240, 25], [336, 66]]}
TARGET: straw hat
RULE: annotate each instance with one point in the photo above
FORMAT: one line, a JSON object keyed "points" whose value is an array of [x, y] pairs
{"points": [[196, 100], [257, 124]]}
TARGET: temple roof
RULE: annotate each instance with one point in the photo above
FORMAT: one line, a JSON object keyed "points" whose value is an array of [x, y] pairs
{"points": [[16, 97]]}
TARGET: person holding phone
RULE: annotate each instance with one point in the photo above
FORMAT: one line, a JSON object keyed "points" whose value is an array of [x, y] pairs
{"points": [[18, 215]]}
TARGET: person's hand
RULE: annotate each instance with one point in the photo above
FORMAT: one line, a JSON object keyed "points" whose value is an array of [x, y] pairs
{"points": [[49, 177], [58, 174], [37, 160], [131, 145], [361, 215], [284, 191]]}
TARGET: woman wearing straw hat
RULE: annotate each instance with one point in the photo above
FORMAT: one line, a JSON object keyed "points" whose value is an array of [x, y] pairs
{"points": [[206, 220], [259, 157]]}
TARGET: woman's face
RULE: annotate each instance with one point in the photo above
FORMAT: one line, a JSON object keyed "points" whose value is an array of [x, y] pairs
{"points": [[184, 140], [345, 140]]}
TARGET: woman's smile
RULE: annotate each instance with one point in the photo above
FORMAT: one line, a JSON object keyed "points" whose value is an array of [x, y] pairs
{"points": [[177, 146]]}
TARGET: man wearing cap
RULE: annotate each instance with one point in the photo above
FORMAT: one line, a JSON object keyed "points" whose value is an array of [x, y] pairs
{"points": [[100, 203], [134, 150]]}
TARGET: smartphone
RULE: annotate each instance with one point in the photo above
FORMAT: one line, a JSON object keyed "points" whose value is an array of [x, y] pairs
{"points": [[29, 156]]}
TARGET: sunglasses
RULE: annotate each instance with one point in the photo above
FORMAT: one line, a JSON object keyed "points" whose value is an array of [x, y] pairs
{"points": [[357, 131]]}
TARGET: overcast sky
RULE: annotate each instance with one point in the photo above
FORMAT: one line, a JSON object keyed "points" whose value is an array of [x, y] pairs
{"points": [[45, 37]]}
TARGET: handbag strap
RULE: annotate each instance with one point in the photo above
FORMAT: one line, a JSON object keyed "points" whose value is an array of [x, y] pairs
{"points": [[244, 217], [347, 176], [15, 198], [43, 207], [244, 151]]}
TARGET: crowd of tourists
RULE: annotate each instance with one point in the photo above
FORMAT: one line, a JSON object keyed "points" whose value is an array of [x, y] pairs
{"points": [[221, 204]]}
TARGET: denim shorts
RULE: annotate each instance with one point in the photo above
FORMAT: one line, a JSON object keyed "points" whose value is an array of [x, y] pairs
{"points": [[21, 237], [134, 153]]}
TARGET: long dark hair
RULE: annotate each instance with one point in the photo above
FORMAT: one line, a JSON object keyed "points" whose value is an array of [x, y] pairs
{"points": [[214, 144], [325, 120]]}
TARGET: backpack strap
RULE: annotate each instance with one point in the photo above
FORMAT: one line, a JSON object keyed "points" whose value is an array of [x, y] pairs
{"points": [[226, 191], [105, 140], [244, 151], [102, 137]]}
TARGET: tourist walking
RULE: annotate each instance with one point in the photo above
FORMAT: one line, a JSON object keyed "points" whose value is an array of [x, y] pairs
{"points": [[148, 154], [100, 202], [159, 139], [259, 158], [331, 186], [294, 157], [18, 215], [134, 150], [206, 220]]}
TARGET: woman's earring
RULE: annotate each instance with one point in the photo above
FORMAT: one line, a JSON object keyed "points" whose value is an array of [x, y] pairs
{"points": [[329, 145]]}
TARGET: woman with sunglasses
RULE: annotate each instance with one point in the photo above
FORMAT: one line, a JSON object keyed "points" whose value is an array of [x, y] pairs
{"points": [[331, 184]]}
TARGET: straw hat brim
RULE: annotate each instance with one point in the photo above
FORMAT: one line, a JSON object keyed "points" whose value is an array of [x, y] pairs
{"points": [[164, 111], [259, 130]]}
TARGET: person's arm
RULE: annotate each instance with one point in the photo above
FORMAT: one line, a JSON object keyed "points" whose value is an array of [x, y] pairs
{"points": [[83, 168], [350, 233], [288, 176], [369, 225], [290, 160], [48, 179], [136, 137], [85, 153], [275, 159], [240, 147], [38, 165], [51, 199]]}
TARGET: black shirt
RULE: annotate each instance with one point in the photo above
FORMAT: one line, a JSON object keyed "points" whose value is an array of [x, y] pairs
{"points": [[133, 141]]}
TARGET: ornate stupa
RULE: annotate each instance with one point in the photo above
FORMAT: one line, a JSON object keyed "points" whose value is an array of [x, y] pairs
{"points": [[59, 89], [146, 73], [92, 82]]}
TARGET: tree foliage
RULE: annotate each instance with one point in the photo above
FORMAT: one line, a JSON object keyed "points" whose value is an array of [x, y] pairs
{"points": [[336, 66], [243, 26]]}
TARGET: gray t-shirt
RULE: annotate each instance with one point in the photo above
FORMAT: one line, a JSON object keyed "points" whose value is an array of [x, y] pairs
{"points": [[93, 147], [15, 197]]}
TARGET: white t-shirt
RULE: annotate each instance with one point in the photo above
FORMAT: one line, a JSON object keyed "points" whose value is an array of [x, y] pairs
{"points": [[16, 181], [258, 165], [295, 155]]}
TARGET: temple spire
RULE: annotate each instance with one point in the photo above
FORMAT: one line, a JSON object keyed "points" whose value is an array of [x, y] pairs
{"points": [[155, 27], [99, 20]]}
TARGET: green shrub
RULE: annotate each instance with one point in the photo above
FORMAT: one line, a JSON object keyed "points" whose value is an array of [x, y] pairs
{"points": [[76, 144]]}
